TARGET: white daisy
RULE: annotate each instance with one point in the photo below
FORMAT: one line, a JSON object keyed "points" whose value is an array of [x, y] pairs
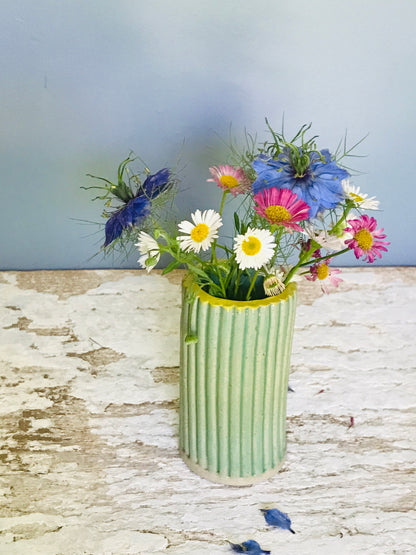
{"points": [[201, 233], [148, 248], [326, 240], [332, 242], [254, 249], [361, 200]]}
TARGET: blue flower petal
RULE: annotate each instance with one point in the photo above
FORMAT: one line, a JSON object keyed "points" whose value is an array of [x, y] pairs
{"points": [[156, 183], [130, 214], [113, 229], [274, 517], [266, 180], [249, 546]]}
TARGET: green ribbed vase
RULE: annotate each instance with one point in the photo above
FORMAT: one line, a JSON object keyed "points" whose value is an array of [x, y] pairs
{"points": [[234, 370]]}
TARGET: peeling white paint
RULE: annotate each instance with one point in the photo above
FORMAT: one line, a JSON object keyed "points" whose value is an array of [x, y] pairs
{"points": [[88, 424]]}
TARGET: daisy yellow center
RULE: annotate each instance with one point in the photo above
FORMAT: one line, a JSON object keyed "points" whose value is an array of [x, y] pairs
{"points": [[364, 239], [229, 181], [322, 271], [356, 197], [199, 233], [277, 214], [251, 245]]}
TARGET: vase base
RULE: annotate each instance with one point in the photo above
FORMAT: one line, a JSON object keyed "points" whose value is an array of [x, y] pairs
{"points": [[240, 481]]}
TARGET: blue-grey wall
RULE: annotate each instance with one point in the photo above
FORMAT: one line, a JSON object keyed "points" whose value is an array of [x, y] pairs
{"points": [[85, 81]]}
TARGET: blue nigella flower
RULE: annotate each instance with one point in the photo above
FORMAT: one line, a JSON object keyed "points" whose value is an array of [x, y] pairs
{"points": [[137, 208], [249, 546], [274, 517], [319, 184]]}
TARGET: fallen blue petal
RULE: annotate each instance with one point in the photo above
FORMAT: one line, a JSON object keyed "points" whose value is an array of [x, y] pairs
{"points": [[274, 517], [249, 546]]}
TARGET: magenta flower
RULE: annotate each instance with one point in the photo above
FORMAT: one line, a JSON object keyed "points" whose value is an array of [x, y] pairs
{"points": [[366, 239], [326, 275], [230, 179], [281, 207]]}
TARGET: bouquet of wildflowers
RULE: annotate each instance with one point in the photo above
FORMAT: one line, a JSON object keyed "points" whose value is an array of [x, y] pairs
{"points": [[296, 210]]}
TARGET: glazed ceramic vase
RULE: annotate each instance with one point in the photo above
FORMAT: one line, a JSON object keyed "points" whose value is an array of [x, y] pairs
{"points": [[234, 369]]}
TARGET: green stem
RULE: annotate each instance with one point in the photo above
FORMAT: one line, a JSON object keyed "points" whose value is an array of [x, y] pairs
{"points": [[229, 276], [278, 238], [341, 223], [224, 195], [222, 283], [315, 260], [303, 257], [214, 243], [300, 264], [237, 281], [253, 281]]}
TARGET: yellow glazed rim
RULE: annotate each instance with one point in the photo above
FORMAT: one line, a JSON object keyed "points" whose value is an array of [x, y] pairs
{"points": [[205, 297]]}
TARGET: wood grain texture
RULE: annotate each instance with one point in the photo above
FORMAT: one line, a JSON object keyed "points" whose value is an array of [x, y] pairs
{"points": [[89, 386]]}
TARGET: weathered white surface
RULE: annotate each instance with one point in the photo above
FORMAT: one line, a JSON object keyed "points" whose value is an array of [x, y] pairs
{"points": [[88, 422]]}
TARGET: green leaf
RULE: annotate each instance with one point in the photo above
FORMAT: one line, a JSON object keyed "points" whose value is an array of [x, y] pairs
{"points": [[170, 267], [236, 222]]}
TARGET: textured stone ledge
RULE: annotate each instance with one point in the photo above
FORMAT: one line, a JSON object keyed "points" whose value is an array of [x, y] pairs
{"points": [[88, 421]]}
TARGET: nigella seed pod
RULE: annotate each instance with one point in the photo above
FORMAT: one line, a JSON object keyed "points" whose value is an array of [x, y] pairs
{"points": [[273, 286]]}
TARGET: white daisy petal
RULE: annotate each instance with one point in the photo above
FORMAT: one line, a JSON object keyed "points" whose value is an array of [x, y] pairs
{"points": [[148, 248], [197, 217], [325, 239], [254, 249], [186, 227], [361, 200], [332, 242], [201, 233]]}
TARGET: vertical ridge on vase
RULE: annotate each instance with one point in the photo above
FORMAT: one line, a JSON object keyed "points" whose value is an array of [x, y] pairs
{"points": [[212, 396], [280, 363], [191, 385], [281, 390], [244, 409], [263, 328], [252, 396], [245, 392], [223, 382], [236, 362], [237, 393], [183, 389], [213, 346], [270, 372], [203, 355], [273, 348], [276, 395], [258, 394]]}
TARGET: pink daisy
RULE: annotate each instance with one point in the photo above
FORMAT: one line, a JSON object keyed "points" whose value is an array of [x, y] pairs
{"points": [[281, 207], [366, 239], [230, 179], [325, 274]]}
